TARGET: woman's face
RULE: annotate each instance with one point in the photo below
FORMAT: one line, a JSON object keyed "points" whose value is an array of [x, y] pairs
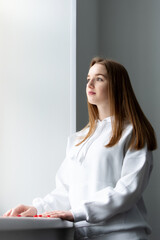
{"points": [[97, 86]]}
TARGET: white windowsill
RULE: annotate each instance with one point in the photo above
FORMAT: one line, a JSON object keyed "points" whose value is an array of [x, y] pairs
{"points": [[30, 223]]}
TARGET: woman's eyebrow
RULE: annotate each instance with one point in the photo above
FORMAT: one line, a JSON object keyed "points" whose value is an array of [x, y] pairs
{"points": [[98, 74]]}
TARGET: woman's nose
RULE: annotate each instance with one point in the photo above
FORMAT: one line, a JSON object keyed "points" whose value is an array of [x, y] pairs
{"points": [[91, 83]]}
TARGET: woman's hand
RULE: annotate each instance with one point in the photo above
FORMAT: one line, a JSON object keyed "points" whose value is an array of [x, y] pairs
{"points": [[65, 215], [24, 211]]}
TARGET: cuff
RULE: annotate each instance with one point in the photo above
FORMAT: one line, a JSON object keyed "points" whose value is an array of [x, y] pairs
{"points": [[78, 214]]}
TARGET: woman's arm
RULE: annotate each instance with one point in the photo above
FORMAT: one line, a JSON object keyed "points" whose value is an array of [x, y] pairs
{"points": [[108, 202]]}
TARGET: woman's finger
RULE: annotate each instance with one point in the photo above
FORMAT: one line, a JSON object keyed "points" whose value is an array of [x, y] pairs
{"points": [[52, 213], [65, 215], [7, 214], [30, 212]]}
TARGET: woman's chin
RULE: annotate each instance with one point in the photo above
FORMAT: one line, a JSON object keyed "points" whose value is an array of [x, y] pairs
{"points": [[92, 102]]}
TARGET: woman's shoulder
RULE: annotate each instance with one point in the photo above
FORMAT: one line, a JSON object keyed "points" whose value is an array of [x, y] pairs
{"points": [[128, 128], [126, 133], [79, 135], [73, 140]]}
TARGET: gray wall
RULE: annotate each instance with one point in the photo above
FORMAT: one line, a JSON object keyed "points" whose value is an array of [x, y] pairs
{"points": [[34, 97], [128, 31], [87, 47]]}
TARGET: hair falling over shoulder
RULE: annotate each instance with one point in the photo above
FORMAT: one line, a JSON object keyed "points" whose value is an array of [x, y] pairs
{"points": [[124, 107]]}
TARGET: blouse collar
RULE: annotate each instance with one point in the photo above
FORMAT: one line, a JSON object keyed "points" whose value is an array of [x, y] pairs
{"points": [[107, 119]]}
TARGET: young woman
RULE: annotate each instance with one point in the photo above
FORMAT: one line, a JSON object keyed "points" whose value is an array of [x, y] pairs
{"points": [[100, 183]]}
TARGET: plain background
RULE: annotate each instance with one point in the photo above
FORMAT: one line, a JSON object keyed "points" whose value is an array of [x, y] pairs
{"points": [[34, 97], [129, 32]]}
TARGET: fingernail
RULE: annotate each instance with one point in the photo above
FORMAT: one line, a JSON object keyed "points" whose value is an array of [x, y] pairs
{"points": [[48, 215], [40, 215], [35, 216], [18, 215]]}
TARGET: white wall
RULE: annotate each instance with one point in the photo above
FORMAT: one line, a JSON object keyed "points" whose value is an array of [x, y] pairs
{"points": [[34, 96]]}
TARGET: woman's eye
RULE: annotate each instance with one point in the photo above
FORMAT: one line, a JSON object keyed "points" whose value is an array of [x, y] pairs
{"points": [[97, 79], [100, 79]]}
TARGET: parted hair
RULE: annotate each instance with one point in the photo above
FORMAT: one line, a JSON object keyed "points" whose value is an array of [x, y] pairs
{"points": [[123, 107]]}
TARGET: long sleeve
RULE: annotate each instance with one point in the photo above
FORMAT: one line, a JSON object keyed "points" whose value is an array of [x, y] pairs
{"points": [[110, 201], [58, 198]]}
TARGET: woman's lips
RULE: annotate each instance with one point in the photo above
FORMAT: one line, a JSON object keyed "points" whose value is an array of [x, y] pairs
{"points": [[91, 93]]}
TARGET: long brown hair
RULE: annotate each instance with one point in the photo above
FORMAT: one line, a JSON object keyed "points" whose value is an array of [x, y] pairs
{"points": [[124, 107]]}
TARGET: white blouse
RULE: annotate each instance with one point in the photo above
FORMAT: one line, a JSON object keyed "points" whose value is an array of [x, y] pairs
{"points": [[102, 187]]}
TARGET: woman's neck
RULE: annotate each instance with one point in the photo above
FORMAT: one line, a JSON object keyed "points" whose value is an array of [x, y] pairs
{"points": [[103, 112], [103, 115]]}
